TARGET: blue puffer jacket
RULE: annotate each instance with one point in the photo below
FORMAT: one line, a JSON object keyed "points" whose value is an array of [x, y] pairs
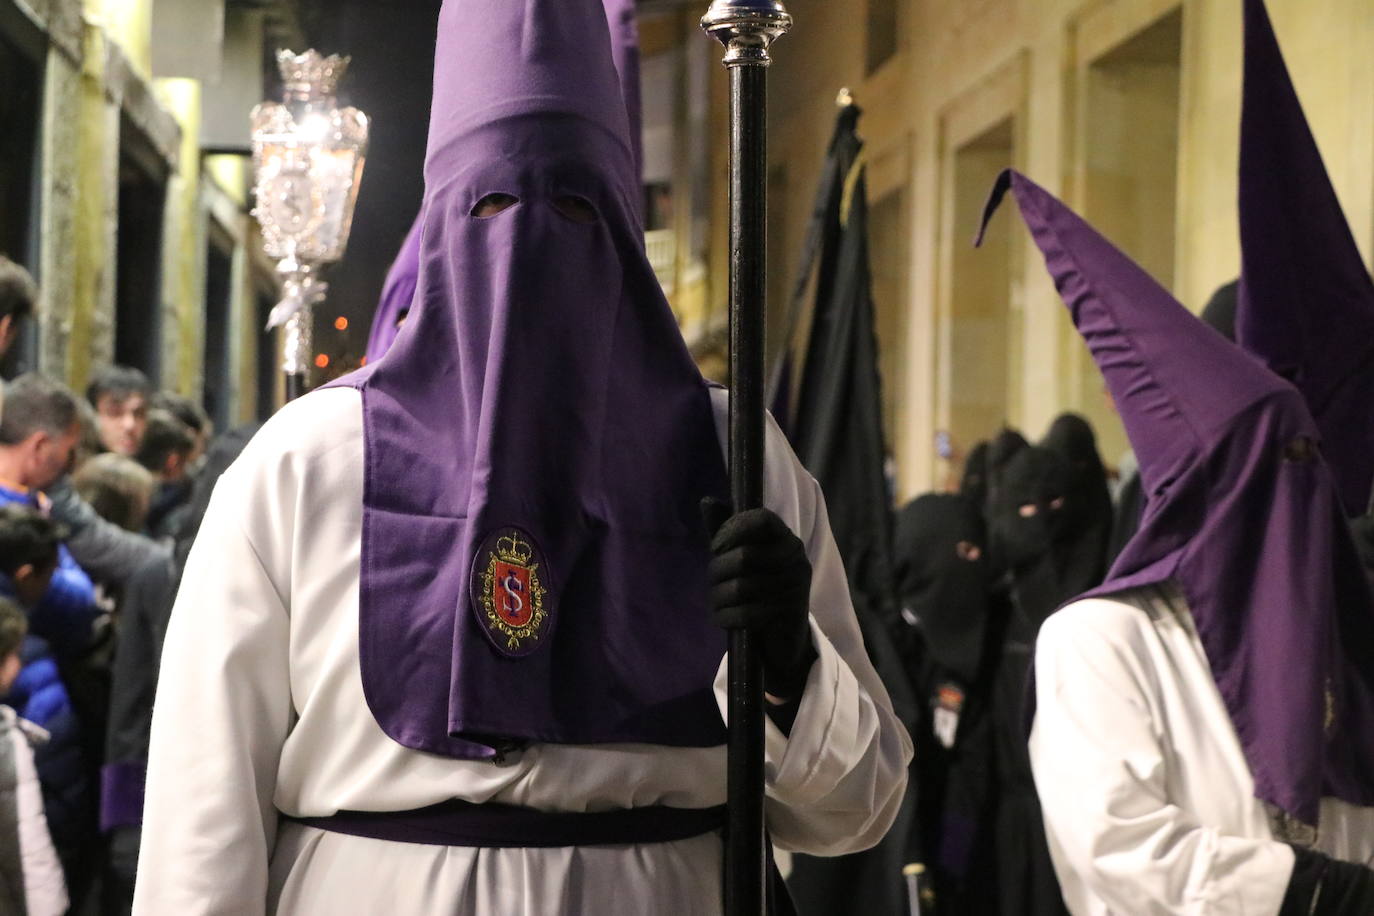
{"points": [[38, 694], [62, 625], [67, 612]]}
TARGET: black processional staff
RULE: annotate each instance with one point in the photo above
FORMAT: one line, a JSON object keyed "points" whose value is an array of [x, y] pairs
{"points": [[747, 29]]}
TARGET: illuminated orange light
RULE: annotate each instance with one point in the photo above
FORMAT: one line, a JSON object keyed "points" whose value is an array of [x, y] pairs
{"points": [[341, 323], [363, 361], [322, 360]]}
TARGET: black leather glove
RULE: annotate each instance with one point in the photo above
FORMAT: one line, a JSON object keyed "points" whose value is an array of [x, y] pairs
{"points": [[1323, 886], [761, 582]]}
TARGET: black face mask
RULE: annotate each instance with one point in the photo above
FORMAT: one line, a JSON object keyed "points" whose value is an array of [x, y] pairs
{"points": [[943, 578], [1088, 502], [1027, 499]]}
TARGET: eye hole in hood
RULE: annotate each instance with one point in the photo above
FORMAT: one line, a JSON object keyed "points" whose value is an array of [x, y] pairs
{"points": [[1300, 450], [493, 204], [577, 209]]}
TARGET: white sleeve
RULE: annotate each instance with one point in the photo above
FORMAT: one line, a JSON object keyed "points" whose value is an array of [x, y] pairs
{"points": [[45, 890], [1100, 769], [835, 784], [222, 713]]}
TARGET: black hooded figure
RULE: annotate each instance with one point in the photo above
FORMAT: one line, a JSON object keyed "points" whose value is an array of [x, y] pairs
{"points": [[955, 623], [1087, 521], [1032, 533], [837, 433], [973, 485], [1026, 489]]}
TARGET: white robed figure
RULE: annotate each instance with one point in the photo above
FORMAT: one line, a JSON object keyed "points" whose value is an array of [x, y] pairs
{"points": [[336, 687]]}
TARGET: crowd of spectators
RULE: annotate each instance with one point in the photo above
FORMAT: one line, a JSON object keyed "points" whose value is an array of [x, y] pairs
{"points": [[99, 497]]}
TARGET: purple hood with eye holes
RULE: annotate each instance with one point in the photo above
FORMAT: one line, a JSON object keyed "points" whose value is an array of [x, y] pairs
{"points": [[1242, 514], [397, 293], [538, 438]]}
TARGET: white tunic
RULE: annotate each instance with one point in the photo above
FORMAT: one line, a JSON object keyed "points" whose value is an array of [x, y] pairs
{"points": [[260, 710], [1148, 799]]}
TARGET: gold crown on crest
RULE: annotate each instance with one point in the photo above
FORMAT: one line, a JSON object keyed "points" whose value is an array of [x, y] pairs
{"points": [[512, 548]]}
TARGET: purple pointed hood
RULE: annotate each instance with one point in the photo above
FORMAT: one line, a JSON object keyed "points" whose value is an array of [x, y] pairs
{"points": [[539, 439], [399, 288], [1306, 302], [625, 50], [1242, 515], [397, 293]]}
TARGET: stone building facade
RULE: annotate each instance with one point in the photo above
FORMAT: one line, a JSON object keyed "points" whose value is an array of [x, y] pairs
{"points": [[125, 190]]}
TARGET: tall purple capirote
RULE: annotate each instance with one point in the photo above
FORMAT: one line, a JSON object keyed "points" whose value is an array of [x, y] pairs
{"points": [[539, 405], [1306, 302], [397, 293], [399, 288], [624, 24], [1242, 514]]}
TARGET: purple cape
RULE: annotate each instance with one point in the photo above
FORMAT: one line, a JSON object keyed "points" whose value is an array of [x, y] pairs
{"points": [[1306, 302], [1242, 514], [397, 294], [539, 439]]}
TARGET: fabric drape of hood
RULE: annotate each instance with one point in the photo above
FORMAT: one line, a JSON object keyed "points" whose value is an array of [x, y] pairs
{"points": [[539, 397], [398, 292], [1242, 514], [624, 24], [1306, 302], [943, 577]]}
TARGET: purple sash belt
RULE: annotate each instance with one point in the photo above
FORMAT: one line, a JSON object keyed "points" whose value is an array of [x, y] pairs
{"points": [[496, 826]]}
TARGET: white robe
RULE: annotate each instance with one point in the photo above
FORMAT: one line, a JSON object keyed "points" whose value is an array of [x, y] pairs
{"points": [[260, 710], [1148, 799]]}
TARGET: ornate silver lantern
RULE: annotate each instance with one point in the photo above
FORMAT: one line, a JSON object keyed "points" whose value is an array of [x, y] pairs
{"points": [[308, 157]]}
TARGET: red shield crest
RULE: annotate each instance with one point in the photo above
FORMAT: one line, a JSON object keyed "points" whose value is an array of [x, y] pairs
{"points": [[507, 594], [510, 593]]}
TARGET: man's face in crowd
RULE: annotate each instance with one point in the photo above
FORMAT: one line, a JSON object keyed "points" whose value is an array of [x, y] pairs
{"points": [[52, 457], [122, 419]]}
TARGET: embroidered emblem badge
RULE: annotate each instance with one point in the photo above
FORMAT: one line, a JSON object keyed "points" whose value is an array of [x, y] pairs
{"points": [[507, 593], [949, 703]]}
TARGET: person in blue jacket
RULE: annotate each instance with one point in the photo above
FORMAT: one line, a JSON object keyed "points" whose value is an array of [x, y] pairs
{"points": [[38, 434]]}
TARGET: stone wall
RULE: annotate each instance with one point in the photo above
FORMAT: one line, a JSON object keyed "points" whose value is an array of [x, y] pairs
{"points": [[99, 84]]}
